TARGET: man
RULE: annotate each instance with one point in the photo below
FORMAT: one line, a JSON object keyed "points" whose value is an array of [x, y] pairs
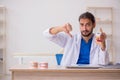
{"points": [[82, 48]]}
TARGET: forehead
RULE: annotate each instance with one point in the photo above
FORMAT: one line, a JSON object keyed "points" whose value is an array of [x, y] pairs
{"points": [[85, 20]]}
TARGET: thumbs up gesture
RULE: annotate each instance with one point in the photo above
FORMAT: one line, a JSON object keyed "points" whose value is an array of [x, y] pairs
{"points": [[100, 39]]}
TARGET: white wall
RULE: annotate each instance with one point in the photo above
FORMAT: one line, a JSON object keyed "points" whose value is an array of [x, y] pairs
{"points": [[27, 19]]}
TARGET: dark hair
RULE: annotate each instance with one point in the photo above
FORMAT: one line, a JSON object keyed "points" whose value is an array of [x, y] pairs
{"points": [[87, 15]]}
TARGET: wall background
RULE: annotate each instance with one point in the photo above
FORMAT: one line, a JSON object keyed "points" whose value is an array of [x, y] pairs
{"points": [[27, 19]]}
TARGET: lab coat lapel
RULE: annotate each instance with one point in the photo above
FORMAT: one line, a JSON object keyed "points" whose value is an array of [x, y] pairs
{"points": [[76, 49]]}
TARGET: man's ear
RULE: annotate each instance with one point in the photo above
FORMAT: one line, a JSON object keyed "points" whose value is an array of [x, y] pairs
{"points": [[94, 25]]}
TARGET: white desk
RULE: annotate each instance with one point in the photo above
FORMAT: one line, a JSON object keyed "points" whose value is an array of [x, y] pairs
{"points": [[60, 73]]}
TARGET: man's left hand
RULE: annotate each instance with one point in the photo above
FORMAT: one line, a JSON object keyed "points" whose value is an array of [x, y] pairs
{"points": [[100, 40]]}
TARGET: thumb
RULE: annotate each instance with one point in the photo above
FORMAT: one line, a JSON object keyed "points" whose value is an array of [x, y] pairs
{"points": [[101, 30], [67, 30]]}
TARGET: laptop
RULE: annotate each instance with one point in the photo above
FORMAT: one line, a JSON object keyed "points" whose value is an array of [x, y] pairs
{"points": [[83, 66]]}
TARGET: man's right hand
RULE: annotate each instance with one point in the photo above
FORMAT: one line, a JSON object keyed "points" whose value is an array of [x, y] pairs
{"points": [[67, 28]]}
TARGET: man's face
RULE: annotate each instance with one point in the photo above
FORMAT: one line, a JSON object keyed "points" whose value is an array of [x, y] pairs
{"points": [[86, 27]]}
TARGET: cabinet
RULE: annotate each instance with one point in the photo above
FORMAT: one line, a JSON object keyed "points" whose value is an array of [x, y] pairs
{"points": [[2, 40], [104, 20]]}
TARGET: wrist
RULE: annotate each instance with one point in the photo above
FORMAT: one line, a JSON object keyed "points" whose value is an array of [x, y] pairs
{"points": [[55, 30], [103, 46]]}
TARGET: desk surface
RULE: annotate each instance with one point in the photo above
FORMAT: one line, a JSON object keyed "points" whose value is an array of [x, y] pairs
{"points": [[59, 69], [23, 72]]}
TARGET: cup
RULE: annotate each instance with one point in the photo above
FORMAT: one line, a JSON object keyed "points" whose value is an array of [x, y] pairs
{"points": [[98, 37]]}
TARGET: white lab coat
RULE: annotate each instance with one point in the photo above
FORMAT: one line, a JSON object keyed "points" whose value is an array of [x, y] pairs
{"points": [[72, 48]]}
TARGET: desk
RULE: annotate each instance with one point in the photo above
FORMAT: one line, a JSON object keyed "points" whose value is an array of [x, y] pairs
{"points": [[61, 73]]}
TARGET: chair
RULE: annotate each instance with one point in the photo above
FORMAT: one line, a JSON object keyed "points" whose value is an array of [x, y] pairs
{"points": [[59, 58]]}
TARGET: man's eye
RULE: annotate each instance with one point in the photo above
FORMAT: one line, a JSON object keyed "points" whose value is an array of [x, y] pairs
{"points": [[81, 24], [87, 24]]}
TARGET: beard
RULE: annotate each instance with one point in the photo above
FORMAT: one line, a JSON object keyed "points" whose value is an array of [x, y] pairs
{"points": [[86, 33]]}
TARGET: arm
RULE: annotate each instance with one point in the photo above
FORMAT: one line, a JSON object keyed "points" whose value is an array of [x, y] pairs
{"points": [[103, 57], [101, 41], [55, 34], [65, 28]]}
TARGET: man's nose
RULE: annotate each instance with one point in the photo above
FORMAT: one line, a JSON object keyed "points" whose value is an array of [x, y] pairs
{"points": [[84, 27]]}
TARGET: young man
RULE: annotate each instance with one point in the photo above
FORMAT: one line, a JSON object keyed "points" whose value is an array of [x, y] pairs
{"points": [[82, 48]]}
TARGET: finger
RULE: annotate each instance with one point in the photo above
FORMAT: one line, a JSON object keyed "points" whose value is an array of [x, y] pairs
{"points": [[69, 27], [101, 30], [65, 29], [103, 36], [67, 24]]}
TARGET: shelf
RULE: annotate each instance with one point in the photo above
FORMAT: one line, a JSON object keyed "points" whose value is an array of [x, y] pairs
{"points": [[109, 35], [1, 35], [2, 21], [1, 48], [99, 8], [33, 54], [1, 74], [1, 61], [104, 22], [2, 6], [2, 40]]}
